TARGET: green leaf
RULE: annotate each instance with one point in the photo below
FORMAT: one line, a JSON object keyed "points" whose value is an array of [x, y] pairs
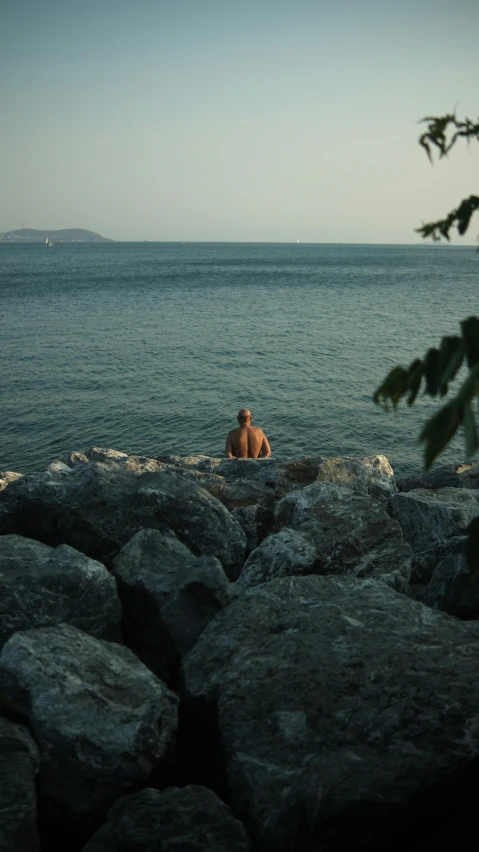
{"points": [[438, 431], [451, 354], [460, 216], [414, 377], [472, 548], [470, 433], [431, 362], [470, 334], [392, 388], [468, 388]]}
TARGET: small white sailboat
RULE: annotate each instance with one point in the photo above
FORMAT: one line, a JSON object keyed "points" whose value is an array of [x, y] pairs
{"points": [[46, 241]]}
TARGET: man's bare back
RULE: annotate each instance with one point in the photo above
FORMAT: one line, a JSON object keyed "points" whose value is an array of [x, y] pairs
{"points": [[247, 442]]}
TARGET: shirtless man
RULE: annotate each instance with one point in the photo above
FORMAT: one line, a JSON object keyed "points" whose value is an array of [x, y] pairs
{"points": [[247, 441]]}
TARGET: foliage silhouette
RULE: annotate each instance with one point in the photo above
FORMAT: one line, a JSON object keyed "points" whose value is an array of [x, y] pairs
{"points": [[440, 366]]}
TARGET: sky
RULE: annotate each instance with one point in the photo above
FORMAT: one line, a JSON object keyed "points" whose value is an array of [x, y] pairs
{"points": [[232, 120]]}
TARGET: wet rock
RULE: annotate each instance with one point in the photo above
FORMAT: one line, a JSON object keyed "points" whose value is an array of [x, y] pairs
{"points": [[452, 590], [335, 704], [97, 508], [428, 517], [351, 532], [190, 819], [103, 722], [43, 586], [284, 554], [169, 596], [19, 762]]}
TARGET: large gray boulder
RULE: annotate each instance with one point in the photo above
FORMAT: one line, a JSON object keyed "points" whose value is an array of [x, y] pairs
{"points": [[187, 819], [169, 596], [428, 517], [371, 475], [43, 586], [19, 762], [334, 704], [284, 554], [452, 589], [98, 507], [351, 532], [102, 721]]}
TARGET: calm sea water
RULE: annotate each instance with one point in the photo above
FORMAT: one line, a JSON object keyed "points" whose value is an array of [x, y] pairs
{"points": [[152, 348]]}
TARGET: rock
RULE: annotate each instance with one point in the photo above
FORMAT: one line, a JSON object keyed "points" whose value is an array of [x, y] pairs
{"points": [[204, 464], [57, 466], [97, 508], [190, 819], [43, 586], [428, 517], [351, 532], [276, 475], [142, 464], [239, 483], [101, 455], [169, 596], [137, 464], [270, 479], [236, 494], [452, 590], [257, 522], [74, 458], [8, 476], [448, 476], [338, 708], [246, 517], [424, 562], [371, 475], [19, 761], [287, 553], [103, 722]]}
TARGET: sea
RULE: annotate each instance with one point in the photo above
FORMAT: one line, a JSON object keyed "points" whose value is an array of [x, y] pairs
{"points": [[152, 348]]}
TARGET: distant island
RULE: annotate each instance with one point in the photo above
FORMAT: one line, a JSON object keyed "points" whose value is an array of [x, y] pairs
{"points": [[67, 235]]}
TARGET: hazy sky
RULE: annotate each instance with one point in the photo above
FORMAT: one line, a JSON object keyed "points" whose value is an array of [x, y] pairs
{"points": [[234, 119]]}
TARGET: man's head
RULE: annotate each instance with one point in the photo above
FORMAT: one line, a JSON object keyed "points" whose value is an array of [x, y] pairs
{"points": [[244, 417]]}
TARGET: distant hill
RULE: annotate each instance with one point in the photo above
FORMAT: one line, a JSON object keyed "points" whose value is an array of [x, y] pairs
{"points": [[67, 235]]}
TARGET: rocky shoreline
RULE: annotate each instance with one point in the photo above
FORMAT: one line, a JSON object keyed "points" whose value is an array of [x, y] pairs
{"points": [[212, 654]]}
